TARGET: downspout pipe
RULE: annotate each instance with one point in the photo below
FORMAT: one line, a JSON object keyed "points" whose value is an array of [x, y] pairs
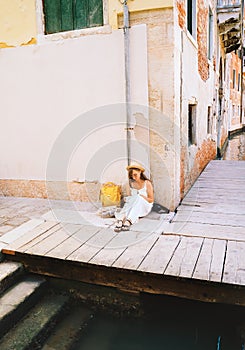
{"points": [[127, 77]]}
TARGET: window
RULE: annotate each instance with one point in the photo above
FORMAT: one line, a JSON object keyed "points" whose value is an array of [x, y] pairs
{"points": [[234, 79], [64, 15], [210, 34], [209, 121], [191, 17], [192, 124], [239, 82]]}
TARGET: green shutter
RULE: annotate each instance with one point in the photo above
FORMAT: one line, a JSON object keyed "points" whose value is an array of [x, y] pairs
{"points": [[80, 14], [63, 15], [66, 14], [52, 13], [95, 17]]}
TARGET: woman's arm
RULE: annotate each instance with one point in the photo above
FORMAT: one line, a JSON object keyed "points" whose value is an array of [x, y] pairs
{"points": [[128, 192], [150, 194]]}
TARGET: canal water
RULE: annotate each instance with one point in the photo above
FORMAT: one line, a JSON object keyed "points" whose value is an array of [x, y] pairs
{"points": [[171, 323], [168, 324]]}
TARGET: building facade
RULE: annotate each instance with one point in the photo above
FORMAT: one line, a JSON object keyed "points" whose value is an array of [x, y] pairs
{"points": [[85, 92]]}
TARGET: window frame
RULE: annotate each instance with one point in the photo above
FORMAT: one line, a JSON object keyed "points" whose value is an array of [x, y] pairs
{"points": [[191, 17], [192, 124], [209, 121], [210, 43], [74, 33], [233, 79]]}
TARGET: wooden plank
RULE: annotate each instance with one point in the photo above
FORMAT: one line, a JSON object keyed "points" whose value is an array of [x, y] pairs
{"points": [[28, 245], [218, 259], [185, 257], [29, 234], [48, 243], [212, 219], [159, 256], [231, 263], [240, 275], [111, 252], [72, 243], [206, 230], [135, 281], [88, 250], [134, 254], [202, 268], [207, 195], [213, 208], [234, 269]]}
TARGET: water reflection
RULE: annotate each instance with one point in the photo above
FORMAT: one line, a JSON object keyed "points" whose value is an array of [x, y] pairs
{"points": [[236, 148], [168, 324]]}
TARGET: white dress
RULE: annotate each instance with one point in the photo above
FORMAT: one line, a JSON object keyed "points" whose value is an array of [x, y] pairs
{"points": [[136, 206]]}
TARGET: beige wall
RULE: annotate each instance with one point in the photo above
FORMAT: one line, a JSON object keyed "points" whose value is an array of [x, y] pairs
{"points": [[17, 22]]}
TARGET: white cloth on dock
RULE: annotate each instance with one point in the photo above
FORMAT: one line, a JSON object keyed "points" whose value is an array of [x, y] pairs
{"points": [[136, 206]]}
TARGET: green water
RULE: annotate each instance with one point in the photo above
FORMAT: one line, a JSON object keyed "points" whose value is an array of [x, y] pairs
{"points": [[168, 324]]}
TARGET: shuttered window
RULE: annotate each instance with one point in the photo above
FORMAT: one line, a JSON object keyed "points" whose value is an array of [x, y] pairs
{"points": [[63, 15]]}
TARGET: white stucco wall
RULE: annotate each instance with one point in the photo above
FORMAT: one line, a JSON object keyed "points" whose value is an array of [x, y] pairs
{"points": [[45, 87]]}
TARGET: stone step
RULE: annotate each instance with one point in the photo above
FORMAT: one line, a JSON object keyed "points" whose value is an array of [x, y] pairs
{"points": [[16, 300], [10, 272], [36, 325], [68, 331]]}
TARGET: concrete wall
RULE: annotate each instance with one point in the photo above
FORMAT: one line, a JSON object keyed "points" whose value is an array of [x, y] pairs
{"points": [[45, 87]]}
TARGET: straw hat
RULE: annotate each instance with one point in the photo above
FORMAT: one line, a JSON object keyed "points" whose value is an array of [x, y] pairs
{"points": [[135, 166]]}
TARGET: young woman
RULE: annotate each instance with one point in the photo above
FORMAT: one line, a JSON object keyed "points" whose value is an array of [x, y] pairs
{"points": [[140, 200]]}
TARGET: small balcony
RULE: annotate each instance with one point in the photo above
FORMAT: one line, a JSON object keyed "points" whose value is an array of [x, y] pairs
{"points": [[221, 4], [229, 22]]}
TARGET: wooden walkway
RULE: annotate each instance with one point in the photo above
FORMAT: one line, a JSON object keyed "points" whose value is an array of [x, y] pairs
{"points": [[199, 255]]}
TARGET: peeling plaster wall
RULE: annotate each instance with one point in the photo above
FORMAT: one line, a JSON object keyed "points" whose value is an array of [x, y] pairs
{"points": [[45, 87], [17, 22], [164, 144], [197, 81]]}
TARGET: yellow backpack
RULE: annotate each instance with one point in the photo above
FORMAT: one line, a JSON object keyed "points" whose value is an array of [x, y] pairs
{"points": [[110, 194]]}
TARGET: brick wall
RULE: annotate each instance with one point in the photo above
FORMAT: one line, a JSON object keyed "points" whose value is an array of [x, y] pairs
{"points": [[205, 153], [202, 34]]}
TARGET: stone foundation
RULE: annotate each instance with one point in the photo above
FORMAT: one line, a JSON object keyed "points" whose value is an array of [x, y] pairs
{"points": [[85, 192], [205, 153]]}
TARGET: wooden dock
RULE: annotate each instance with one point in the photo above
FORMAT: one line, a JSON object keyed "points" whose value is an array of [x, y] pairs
{"points": [[199, 255]]}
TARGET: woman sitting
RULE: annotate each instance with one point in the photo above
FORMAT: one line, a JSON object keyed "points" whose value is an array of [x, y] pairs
{"points": [[140, 200]]}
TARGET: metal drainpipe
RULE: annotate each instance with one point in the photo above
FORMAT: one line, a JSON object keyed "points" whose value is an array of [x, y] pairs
{"points": [[127, 77]]}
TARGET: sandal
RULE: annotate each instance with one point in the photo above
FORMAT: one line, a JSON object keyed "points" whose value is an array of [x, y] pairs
{"points": [[118, 226], [126, 225]]}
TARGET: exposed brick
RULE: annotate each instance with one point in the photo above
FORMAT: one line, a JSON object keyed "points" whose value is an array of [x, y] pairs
{"points": [[205, 153], [202, 28], [181, 13]]}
